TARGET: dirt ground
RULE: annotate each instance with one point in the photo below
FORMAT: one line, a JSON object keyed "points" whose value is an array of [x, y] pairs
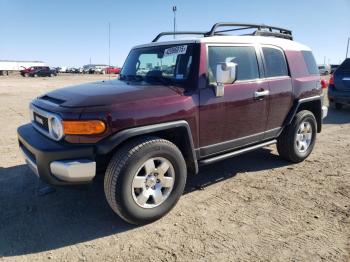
{"points": [[253, 207]]}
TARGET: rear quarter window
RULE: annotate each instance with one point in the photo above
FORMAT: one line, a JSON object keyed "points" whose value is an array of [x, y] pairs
{"points": [[345, 66], [275, 62], [310, 62]]}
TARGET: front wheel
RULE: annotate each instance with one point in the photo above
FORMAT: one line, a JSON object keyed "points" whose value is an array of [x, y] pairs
{"points": [[145, 179], [298, 139]]}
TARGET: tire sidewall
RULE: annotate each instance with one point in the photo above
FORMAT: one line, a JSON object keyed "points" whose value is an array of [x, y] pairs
{"points": [[310, 119], [124, 182]]}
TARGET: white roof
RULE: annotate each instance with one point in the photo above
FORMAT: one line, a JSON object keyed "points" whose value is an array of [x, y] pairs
{"points": [[285, 44]]}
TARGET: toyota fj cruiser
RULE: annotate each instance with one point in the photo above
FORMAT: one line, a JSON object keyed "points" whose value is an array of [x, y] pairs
{"points": [[177, 104]]}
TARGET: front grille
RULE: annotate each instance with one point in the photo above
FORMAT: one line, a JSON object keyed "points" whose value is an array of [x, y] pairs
{"points": [[42, 121]]}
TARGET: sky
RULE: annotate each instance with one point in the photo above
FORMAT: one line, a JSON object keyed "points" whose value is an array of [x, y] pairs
{"points": [[70, 33]]}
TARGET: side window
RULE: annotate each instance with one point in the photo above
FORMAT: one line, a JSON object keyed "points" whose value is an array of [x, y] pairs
{"points": [[243, 56], [310, 63], [275, 62]]}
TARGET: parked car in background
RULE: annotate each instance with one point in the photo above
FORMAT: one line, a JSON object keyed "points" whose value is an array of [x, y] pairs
{"points": [[333, 68], [44, 71], [88, 69], [111, 70], [94, 68], [324, 69], [27, 71], [98, 69], [202, 100], [73, 70], [62, 69], [339, 86]]}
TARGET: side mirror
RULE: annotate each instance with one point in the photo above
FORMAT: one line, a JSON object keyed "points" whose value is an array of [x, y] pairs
{"points": [[225, 74]]}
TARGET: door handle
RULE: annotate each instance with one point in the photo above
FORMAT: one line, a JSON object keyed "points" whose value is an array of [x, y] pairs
{"points": [[261, 94]]}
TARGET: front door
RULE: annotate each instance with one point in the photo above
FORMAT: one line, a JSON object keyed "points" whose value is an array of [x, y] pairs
{"points": [[239, 117]]}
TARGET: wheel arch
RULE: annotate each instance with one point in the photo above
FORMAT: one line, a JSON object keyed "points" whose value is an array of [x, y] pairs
{"points": [[177, 132], [313, 104]]}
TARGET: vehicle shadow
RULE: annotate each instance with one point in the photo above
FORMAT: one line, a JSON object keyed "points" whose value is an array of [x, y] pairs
{"points": [[338, 116], [30, 223]]}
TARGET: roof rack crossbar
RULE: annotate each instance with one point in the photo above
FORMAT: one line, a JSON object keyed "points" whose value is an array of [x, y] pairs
{"points": [[270, 33], [282, 32], [178, 33], [231, 30]]}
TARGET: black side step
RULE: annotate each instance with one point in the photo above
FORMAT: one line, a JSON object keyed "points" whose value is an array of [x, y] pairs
{"points": [[235, 153]]}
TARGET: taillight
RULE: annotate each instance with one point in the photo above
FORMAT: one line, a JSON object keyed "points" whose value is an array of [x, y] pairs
{"points": [[324, 83], [331, 80]]}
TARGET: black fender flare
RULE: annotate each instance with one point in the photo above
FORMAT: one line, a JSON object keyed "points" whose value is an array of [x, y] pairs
{"points": [[110, 143], [299, 103]]}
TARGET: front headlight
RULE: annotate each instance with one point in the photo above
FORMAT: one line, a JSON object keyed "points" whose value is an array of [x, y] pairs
{"points": [[56, 129]]}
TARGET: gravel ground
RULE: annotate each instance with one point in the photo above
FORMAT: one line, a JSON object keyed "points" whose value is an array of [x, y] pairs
{"points": [[248, 208]]}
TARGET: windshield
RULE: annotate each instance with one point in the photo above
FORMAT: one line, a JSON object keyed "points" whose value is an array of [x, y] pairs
{"points": [[164, 64]]}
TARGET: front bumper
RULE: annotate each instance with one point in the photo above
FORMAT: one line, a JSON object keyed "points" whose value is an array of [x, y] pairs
{"points": [[56, 163]]}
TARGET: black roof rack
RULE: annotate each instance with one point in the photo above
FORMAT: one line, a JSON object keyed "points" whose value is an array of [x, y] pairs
{"points": [[178, 33], [261, 30]]}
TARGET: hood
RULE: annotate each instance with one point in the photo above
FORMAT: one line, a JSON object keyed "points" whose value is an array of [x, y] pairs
{"points": [[107, 93]]}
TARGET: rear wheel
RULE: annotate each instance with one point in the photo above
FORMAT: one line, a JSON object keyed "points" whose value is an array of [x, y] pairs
{"points": [[145, 179], [35, 75], [298, 139]]}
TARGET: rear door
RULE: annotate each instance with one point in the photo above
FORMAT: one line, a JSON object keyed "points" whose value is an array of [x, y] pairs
{"points": [[280, 86], [342, 76], [238, 118]]}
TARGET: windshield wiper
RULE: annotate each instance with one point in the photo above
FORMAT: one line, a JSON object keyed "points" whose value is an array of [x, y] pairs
{"points": [[131, 77], [160, 79]]}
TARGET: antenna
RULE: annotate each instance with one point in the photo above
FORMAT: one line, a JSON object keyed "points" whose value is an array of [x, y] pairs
{"points": [[174, 10], [109, 48]]}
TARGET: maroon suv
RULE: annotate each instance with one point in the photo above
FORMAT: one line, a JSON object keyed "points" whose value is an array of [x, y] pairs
{"points": [[177, 105]]}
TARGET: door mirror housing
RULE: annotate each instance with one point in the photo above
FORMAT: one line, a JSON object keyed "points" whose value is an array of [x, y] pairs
{"points": [[225, 74]]}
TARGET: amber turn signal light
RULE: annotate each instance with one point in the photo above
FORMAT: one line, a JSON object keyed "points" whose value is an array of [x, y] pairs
{"points": [[89, 127]]}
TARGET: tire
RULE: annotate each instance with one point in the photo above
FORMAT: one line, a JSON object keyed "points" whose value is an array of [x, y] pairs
{"points": [[291, 145], [128, 163], [35, 75], [26, 75]]}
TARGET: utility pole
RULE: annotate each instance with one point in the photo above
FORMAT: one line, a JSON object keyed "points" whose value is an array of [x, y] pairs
{"points": [[109, 47], [347, 48], [174, 10], [324, 60]]}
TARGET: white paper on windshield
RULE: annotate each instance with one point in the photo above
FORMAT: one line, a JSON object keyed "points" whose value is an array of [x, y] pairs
{"points": [[176, 50]]}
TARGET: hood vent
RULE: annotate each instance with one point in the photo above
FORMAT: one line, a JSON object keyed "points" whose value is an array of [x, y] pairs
{"points": [[53, 100]]}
